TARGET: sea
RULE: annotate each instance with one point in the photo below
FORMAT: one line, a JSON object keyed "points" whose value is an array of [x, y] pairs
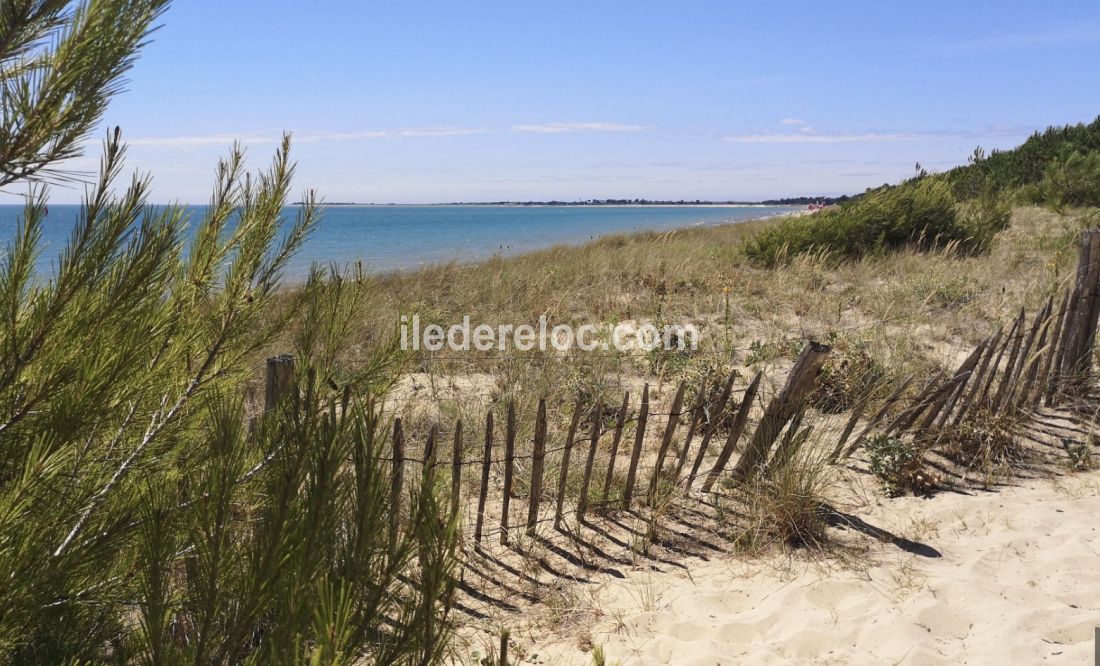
{"points": [[404, 237]]}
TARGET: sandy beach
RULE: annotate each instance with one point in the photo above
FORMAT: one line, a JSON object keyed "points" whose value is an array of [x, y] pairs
{"points": [[1006, 577]]}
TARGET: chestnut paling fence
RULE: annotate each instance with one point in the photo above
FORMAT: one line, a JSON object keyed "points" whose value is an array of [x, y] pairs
{"points": [[1042, 360]]}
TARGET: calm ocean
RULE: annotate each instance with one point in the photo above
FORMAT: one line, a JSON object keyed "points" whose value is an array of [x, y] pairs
{"points": [[402, 237]]}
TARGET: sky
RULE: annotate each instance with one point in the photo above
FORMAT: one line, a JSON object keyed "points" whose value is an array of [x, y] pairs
{"points": [[417, 102]]}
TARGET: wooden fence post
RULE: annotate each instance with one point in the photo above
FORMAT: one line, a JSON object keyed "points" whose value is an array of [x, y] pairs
{"points": [[970, 393], [727, 390], [800, 382], [538, 463], [853, 420], [456, 469], [619, 423], [635, 454], [672, 423], [738, 427], [564, 476], [486, 465], [1077, 362], [1010, 366], [1052, 364], [509, 470], [693, 426], [397, 479], [582, 503], [278, 379]]}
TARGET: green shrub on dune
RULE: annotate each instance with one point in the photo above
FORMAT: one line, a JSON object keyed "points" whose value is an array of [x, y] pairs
{"points": [[920, 212], [1073, 181]]}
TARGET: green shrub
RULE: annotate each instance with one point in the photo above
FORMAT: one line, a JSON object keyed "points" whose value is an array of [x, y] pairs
{"points": [[1026, 164], [1073, 181], [920, 212], [899, 466], [982, 218]]}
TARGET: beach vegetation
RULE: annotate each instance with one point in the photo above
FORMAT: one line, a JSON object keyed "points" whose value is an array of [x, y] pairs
{"points": [[152, 509]]}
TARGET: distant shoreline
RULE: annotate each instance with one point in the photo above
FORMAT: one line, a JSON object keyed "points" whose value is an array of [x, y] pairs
{"points": [[611, 203]]}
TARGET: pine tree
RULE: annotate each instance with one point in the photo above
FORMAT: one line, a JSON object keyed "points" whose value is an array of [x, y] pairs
{"points": [[148, 512]]}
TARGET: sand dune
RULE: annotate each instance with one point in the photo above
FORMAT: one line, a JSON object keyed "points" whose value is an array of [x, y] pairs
{"points": [[1017, 581]]}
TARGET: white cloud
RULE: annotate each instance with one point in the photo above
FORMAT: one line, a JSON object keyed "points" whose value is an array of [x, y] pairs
{"points": [[808, 137], [792, 121], [193, 142], [558, 128], [189, 142]]}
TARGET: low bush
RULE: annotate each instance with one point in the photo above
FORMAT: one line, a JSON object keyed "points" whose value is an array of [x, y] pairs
{"points": [[899, 466], [1072, 182], [919, 212]]}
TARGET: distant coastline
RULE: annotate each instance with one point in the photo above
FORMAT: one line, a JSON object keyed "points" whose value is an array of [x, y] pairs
{"points": [[790, 201]]}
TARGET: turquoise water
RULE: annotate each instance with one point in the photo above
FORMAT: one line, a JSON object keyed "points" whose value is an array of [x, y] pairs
{"points": [[402, 237]]}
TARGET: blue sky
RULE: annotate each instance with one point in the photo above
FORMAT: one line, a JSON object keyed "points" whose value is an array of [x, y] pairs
{"points": [[473, 101]]}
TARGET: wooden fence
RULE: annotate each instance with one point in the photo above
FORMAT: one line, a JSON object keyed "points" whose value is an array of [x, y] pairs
{"points": [[1044, 360]]}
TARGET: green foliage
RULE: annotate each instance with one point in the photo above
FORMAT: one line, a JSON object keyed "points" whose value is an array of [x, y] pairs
{"points": [[1072, 181], [1060, 166], [899, 466], [919, 213], [147, 512], [1078, 454], [1027, 164], [130, 481], [60, 63], [982, 218]]}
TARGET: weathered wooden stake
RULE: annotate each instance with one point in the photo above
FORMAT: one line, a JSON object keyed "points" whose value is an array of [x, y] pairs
{"points": [[635, 455], [968, 366], [1010, 368], [790, 443], [666, 442], [397, 479], [509, 471], [456, 469], [582, 503], [278, 379], [853, 420], [1077, 359], [486, 465], [538, 463], [983, 397], [565, 455], [944, 402], [800, 382], [429, 459], [619, 422], [693, 425], [727, 390], [977, 380], [739, 421], [1052, 364]]}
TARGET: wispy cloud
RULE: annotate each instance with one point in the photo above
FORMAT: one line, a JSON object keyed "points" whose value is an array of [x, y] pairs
{"points": [[194, 142], [187, 142], [807, 134], [792, 121], [1067, 36], [809, 137], [558, 128]]}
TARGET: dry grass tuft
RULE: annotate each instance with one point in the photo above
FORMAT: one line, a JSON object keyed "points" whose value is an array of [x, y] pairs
{"points": [[786, 504]]}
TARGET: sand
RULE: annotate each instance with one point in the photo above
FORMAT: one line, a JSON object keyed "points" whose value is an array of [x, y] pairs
{"points": [[1005, 577]]}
